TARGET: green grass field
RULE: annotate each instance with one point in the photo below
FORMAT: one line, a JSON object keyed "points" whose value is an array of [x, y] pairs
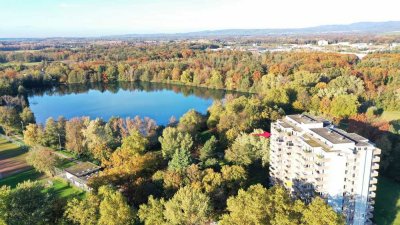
{"points": [[66, 153], [14, 170], [8, 149], [65, 190], [14, 179], [60, 186], [65, 163], [12, 158], [390, 115], [13, 166], [387, 205]]}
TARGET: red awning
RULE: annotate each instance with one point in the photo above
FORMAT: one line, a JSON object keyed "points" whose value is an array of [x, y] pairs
{"points": [[265, 134]]}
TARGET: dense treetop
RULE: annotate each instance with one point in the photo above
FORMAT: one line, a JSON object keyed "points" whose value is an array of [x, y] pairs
{"points": [[201, 168]]}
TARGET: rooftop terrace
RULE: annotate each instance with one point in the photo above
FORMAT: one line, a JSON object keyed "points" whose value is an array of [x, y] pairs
{"points": [[313, 142]]}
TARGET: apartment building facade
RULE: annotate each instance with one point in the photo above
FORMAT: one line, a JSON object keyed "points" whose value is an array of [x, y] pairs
{"points": [[310, 156]]}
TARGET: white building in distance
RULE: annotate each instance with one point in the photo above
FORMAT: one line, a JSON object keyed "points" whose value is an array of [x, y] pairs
{"points": [[323, 43], [309, 156]]}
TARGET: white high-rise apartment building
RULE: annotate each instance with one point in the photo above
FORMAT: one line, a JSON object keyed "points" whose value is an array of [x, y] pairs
{"points": [[309, 156]]}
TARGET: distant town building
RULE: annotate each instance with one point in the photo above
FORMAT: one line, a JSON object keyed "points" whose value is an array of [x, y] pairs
{"points": [[360, 45], [80, 173], [309, 156], [394, 45], [323, 42], [345, 43]]}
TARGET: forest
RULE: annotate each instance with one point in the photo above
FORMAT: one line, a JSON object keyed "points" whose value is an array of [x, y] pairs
{"points": [[199, 168]]}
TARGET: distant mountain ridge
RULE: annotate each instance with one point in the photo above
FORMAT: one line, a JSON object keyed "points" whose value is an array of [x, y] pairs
{"points": [[360, 27]]}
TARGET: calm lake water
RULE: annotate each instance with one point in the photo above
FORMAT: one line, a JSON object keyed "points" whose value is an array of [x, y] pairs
{"points": [[157, 101]]}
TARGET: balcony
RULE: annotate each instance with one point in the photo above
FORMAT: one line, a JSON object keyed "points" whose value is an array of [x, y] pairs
{"points": [[372, 187], [372, 194], [374, 174], [371, 208], [377, 151], [319, 188], [320, 166], [375, 166], [376, 159], [373, 181], [319, 181], [371, 201]]}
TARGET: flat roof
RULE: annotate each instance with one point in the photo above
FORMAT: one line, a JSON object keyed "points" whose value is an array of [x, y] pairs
{"points": [[305, 118], [83, 169], [353, 136], [313, 142], [328, 132], [332, 135], [288, 124], [285, 125]]}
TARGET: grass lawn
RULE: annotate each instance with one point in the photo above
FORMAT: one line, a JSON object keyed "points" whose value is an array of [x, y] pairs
{"points": [[65, 190], [66, 153], [387, 205], [12, 158], [14, 170], [13, 180], [390, 115], [60, 186], [7, 149], [65, 163]]}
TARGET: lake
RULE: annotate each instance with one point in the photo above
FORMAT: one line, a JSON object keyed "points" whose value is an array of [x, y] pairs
{"points": [[127, 99]]}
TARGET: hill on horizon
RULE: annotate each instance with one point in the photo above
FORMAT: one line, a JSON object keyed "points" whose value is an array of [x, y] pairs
{"points": [[359, 27]]}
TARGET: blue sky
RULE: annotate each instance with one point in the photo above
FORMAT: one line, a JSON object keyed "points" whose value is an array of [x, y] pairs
{"points": [[47, 18]]}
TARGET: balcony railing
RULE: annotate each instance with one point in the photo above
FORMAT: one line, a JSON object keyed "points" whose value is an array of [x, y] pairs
{"points": [[372, 187], [374, 174], [373, 181], [371, 201], [376, 159], [372, 194], [377, 151], [371, 208], [375, 166]]}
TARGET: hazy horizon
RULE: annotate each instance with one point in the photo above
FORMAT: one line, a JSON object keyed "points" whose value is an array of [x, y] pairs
{"points": [[89, 18]]}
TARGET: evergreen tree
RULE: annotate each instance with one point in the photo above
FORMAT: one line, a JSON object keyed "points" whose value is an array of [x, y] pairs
{"points": [[180, 160]]}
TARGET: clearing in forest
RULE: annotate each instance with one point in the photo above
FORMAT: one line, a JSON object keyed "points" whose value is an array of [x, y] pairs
{"points": [[12, 158]]}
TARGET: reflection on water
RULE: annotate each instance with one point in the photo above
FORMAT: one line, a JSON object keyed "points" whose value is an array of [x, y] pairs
{"points": [[125, 99]]}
